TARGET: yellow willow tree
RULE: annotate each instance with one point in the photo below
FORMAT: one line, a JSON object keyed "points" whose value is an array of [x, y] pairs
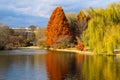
{"points": [[102, 34]]}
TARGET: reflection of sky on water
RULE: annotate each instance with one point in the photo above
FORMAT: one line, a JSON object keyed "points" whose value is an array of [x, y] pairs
{"points": [[43, 65], [23, 67], [31, 69], [23, 52]]}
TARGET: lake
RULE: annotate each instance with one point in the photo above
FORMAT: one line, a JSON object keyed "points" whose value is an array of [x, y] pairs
{"points": [[36, 64]]}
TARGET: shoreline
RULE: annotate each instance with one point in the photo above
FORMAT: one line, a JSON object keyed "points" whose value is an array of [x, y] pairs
{"points": [[62, 50], [30, 47], [85, 52], [72, 50]]}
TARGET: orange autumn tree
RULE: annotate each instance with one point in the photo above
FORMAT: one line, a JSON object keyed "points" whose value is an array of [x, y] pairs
{"points": [[82, 24], [58, 29]]}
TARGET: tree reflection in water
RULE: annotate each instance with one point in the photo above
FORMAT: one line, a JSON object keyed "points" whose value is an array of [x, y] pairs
{"points": [[64, 66], [101, 68], [73, 66]]}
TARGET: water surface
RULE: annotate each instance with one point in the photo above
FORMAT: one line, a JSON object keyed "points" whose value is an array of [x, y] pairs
{"points": [[36, 64]]}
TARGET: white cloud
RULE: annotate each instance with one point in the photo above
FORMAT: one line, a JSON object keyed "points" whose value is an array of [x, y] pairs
{"points": [[40, 8], [43, 8]]}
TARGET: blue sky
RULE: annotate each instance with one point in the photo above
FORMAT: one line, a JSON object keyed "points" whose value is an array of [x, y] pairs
{"points": [[22, 13]]}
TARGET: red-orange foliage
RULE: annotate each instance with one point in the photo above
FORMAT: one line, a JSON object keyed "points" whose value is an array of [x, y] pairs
{"points": [[80, 45], [57, 26], [82, 21], [81, 15]]}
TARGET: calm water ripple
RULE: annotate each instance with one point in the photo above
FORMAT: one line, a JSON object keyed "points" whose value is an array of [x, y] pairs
{"points": [[36, 64]]}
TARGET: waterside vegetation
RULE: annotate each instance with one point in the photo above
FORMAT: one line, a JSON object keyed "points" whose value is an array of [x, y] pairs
{"points": [[102, 34], [96, 30]]}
